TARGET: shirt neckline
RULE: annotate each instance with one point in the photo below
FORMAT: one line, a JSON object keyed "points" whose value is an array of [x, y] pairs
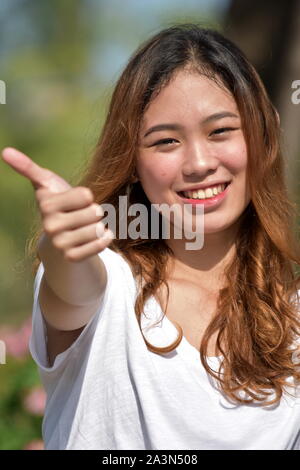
{"points": [[184, 347]]}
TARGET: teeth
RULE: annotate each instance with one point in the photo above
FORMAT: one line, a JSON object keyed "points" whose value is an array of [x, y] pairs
{"points": [[205, 193], [208, 192]]}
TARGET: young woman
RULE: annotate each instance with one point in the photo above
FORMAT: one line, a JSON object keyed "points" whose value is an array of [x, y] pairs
{"points": [[142, 343]]}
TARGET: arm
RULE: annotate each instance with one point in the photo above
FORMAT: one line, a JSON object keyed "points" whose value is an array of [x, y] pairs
{"points": [[75, 277], [70, 292], [77, 283]]}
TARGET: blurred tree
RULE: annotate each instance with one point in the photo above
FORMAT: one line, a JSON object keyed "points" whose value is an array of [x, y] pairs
{"points": [[44, 53], [269, 33]]}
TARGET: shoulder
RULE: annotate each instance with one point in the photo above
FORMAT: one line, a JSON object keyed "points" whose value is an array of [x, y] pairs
{"points": [[114, 259], [119, 272]]}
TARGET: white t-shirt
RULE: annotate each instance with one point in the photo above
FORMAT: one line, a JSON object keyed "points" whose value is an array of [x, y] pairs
{"points": [[108, 391]]}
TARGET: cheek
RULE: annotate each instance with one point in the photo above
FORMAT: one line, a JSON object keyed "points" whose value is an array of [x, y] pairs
{"points": [[156, 172], [235, 157], [236, 160]]}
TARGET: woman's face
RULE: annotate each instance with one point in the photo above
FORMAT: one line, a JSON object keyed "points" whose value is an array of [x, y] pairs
{"points": [[201, 145]]}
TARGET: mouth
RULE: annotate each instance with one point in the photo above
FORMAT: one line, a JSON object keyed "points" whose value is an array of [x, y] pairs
{"points": [[205, 194]]}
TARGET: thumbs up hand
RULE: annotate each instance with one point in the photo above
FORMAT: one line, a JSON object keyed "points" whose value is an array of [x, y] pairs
{"points": [[39, 177], [71, 218]]}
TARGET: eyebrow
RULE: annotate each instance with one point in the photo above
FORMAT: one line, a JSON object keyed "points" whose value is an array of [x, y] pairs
{"points": [[177, 127]]}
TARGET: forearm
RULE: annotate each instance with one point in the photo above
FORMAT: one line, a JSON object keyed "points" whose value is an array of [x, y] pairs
{"points": [[77, 283]]}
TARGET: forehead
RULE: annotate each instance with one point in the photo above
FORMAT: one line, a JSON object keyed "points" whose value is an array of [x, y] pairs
{"points": [[188, 94]]}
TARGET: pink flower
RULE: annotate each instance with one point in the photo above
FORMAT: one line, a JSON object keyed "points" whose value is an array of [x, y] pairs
{"points": [[37, 444], [16, 340], [35, 401]]}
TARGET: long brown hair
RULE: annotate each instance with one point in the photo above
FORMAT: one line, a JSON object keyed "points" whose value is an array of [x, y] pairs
{"points": [[257, 311]]}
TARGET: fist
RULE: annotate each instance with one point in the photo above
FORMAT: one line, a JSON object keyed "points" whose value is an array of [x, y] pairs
{"points": [[71, 219]]}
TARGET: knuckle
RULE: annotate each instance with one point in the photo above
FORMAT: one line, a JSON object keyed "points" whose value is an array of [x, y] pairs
{"points": [[50, 226], [59, 242], [86, 193], [41, 193], [97, 209], [99, 229], [46, 206]]}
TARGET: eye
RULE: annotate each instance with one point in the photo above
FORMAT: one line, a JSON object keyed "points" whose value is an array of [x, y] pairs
{"points": [[223, 130], [163, 142]]}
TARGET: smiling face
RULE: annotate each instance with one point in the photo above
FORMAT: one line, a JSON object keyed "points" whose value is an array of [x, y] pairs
{"points": [[202, 143]]}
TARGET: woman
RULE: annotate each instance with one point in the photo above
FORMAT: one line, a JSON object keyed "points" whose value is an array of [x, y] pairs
{"points": [[151, 345]]}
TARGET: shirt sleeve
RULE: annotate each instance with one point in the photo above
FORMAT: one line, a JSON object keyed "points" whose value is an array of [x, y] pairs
{"points": [[38, 337]]}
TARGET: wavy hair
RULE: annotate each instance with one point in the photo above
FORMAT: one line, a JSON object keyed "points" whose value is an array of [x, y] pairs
{"points": [[257, 314]]}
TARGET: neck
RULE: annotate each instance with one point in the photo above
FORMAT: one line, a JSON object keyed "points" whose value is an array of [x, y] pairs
{"points": [[205, 266]]}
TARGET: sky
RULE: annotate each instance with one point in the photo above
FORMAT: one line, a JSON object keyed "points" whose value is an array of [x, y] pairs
{"points": [[150, 16]]}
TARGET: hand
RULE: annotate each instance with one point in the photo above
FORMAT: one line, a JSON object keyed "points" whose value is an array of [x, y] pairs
{"points": [[70, 217]]}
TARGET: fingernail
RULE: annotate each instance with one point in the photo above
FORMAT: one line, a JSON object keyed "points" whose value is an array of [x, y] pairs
{"points": [[108, 235], [8, 151], [99, 229], [99, 210]]}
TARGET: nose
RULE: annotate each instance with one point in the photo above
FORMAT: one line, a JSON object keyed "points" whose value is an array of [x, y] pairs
{"points": [[199, 160]]}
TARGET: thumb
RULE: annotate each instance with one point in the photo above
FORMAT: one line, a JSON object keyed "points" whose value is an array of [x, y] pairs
{"points": [[39, 177]]}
